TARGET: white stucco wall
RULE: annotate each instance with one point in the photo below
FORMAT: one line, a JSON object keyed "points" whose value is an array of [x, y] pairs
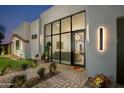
{"points": [[27, 50], [96, 16], [34, 43], [105, 62], [23, 31]]}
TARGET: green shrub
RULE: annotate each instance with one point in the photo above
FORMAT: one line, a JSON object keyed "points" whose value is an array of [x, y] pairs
{"points": [[24, 66], [34, 63], [6, 69], [9, 49], [41, 72], [18, 81], [52, 67], [3, 50]]}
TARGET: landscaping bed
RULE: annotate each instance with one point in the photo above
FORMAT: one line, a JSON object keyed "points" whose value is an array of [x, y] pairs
{"points": [[22, 80], [36, 80], [99, 81]]}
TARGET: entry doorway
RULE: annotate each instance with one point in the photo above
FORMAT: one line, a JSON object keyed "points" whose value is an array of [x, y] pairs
{"points": [[78, 43], [120, 50]]}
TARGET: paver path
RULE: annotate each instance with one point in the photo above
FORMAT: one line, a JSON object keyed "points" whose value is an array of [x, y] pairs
{"points": [[66, 79]]}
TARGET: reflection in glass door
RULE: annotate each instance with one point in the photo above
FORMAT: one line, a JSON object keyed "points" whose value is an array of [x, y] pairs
{"points": [[78, 48]]}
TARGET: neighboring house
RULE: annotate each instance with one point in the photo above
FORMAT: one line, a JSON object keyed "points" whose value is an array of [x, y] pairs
{"points": [[20, 41], [25, 40], [80, 35]]}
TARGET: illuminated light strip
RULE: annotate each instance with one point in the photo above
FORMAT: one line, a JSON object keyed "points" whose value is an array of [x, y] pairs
{"points": [[88, 39]]}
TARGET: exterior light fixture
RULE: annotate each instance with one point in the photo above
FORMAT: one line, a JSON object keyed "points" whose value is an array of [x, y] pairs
{"points": [[87, 33], [101, 39]]}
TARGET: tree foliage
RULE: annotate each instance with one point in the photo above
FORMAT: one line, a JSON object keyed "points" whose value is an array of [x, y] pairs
{"points": [[2, 31]]}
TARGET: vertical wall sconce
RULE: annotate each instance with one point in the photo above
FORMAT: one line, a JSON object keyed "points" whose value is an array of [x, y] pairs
{"points": [[101, 39]]}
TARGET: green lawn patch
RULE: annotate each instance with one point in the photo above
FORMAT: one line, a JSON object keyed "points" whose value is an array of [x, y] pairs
{"points": [[14, 64]]}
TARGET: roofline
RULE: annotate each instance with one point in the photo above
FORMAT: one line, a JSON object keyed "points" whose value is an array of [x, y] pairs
{"points": [[15, 35], [6, 44]]}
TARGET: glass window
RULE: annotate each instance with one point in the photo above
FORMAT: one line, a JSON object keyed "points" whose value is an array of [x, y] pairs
{"points": [[56, 48], [48, 30], [66, 48], [17, 44], [56, 27], [34, 36], [78, 21], [65, 25], [48, 47]]}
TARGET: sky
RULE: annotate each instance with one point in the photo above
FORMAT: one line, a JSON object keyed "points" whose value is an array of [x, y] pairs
{"points": [[13, 15]]}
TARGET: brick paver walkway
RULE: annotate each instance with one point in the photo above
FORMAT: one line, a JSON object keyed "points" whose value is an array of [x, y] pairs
{"points": [[66, 79]]}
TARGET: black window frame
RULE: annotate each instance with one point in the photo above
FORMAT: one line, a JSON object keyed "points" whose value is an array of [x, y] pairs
{"points": [[65, 33]]}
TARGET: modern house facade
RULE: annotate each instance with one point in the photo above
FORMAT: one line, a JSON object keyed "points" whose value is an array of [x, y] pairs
{"points": [[80, 35]]}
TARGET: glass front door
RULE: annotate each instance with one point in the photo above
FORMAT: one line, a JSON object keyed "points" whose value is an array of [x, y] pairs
{"points": [[78, 48]]}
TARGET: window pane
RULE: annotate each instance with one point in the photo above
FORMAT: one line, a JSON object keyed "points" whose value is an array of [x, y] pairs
{"points": [[66, 48], [17, 44], [48, 49], [78, 21], [34, 36], [65, 25], [56, 48], [48, 30], [56, 27]]}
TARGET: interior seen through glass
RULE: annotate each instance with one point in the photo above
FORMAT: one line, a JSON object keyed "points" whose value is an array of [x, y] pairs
{"points": [[61, 39], [79, 48]]}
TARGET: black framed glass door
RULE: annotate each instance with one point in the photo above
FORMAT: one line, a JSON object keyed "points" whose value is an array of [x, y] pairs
{"points": [[78, 41]]}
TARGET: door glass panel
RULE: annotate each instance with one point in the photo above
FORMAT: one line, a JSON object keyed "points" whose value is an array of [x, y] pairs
{"points": [[78, 21], [48, 30], [56, 48], [47, 42], [79, 48], [66, 48], [56, 27]]}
